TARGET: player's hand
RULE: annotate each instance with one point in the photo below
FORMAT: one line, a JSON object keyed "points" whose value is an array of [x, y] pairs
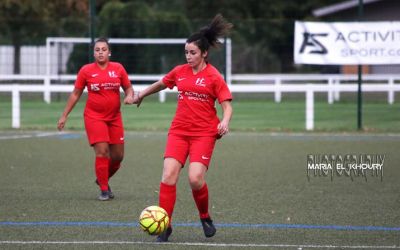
{"points": [[129, 100], [137, 99], [61, 123], [223, 128]]}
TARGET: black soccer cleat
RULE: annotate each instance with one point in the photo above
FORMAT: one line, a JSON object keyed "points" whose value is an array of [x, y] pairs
{"points": [[104, 196], [110, 193], [163, 237], [208, 227]]}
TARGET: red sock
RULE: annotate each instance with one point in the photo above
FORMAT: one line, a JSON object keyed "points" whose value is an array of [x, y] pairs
{"points": [[101, 167], [167, 198], [114, 166], [201, 198]]}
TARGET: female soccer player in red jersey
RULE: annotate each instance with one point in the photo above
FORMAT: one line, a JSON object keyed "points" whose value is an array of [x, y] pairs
{"points": [[102, 115], [195, 127]]}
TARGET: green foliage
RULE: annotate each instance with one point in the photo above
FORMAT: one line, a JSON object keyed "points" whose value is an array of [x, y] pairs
{"points": [[138, 19], [262, 36], [30, 22], [263, 32]]}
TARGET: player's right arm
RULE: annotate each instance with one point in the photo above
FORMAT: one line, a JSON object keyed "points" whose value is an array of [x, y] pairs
{"points": [[72, 100], [154, 88]]}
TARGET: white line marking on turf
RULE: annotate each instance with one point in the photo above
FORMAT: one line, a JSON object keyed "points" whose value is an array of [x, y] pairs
{"points": [[42, 134], [192, 244]]}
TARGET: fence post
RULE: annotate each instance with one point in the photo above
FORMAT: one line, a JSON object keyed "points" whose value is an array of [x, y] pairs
{"points": [[47, 93], [228, 61], [330, 90], [15, 107], [336, 83], [162, 96], [278, 93], [391, 91], [309, 107]]}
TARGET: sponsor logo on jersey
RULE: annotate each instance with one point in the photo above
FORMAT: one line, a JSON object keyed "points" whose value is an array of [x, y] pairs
{"points": [[193, 96], [105, 86], [200, 82], [94, 75], [180, 96], [181, 79], [110, 86], [95, 87], [112, 74]]}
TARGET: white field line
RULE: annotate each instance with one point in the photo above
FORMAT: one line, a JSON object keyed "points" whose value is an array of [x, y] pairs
{"points": [[22, 135], [28, 135]]}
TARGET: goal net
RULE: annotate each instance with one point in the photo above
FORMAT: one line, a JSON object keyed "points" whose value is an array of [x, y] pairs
{"points": [[145, 59]]}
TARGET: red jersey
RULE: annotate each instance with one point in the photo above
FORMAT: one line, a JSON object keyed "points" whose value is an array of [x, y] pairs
{"points": [[103, 89], [196, 114]]}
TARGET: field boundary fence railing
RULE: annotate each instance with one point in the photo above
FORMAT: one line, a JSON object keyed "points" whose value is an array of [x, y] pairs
{"points": [[309, 84], [55, 41]]}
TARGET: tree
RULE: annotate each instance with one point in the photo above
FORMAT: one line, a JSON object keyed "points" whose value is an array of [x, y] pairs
{"points": [[262, 36], [30, 21], [139, 19], [263, 29]]}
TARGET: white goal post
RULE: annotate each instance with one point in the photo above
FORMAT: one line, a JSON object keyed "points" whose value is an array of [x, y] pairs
{"points": [[51, 41]]}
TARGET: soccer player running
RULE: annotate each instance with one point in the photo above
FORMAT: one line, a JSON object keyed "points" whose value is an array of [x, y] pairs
{"points": [[196, 126], [102, 115]]}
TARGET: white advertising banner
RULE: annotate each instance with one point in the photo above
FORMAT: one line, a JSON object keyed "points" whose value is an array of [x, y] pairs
{"points": [[342, 43]]}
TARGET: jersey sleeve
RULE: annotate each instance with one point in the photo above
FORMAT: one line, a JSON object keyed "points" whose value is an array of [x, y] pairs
{"points": [[80, 81], [125, 82], [169, 79], [222, 91]]}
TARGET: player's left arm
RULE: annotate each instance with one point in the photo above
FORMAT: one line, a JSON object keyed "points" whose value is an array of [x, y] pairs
{"points": [[223, 126], [126, 86], [128, 95]]}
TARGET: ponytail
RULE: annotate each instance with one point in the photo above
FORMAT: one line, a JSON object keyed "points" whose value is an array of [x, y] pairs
{"points": [[208, 35]]}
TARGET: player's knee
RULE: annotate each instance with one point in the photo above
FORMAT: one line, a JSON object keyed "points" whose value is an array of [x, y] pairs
{"points": [[117, 157], [196, 181], [171, 171], [169, 177], [101, 150], [102, 153]]}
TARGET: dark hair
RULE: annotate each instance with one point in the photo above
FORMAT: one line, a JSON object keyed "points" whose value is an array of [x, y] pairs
{"points": [[208, 36], [103, 40]]}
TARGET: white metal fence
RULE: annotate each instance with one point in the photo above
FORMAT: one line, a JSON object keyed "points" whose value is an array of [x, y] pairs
{"points": [[51, 41], [333, 85]]}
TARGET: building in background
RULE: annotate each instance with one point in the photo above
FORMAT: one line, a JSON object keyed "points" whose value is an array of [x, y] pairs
{"points": [[373, 10], [33, 59]]}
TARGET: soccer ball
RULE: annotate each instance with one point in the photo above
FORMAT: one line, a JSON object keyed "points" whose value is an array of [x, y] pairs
{"points": [[154, 220]]}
